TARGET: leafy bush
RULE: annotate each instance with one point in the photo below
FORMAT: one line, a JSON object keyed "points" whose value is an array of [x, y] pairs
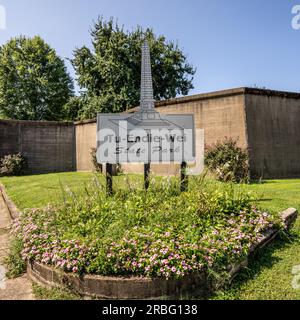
{"points": [[42, 293], [15, 264], [97, 166], [159, 233], [13, 165], [228, 161], [117, 169]]}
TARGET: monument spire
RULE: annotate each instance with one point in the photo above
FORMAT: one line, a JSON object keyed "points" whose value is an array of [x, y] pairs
{"points": [[147, 117], [147, 99]]}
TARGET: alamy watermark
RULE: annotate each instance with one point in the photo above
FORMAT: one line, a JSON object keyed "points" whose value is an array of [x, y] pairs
{"points": [[2, 17], [296, 278], [296, 18], [155, 145]]}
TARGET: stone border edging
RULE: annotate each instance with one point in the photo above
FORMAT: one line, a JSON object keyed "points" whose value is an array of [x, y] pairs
{"points": [[125, 288], [120, 288], [12, 208]]}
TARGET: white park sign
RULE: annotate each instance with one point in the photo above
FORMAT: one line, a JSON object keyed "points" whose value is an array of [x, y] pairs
{"points": [[127, 139]]}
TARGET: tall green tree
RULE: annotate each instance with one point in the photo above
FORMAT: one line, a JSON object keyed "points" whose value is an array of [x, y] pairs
{"points": [[109, 73], [34, 82]]}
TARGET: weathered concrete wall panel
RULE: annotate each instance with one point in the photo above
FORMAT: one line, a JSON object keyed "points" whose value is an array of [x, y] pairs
{"points": [[48, 146], [9, 138], [85, 141], [220, 117], [273, 126]]}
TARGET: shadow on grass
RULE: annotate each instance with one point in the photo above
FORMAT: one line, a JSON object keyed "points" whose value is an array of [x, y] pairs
{"points": [[262, 182], [260, 260], [264, 200]]}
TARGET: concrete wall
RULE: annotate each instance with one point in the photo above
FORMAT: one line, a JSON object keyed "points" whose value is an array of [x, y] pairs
{"points": [[273, 126], [86, 133], [266, 122], [48, 146], [220, 115]]}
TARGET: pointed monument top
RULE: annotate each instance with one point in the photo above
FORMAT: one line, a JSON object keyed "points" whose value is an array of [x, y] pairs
{"points": [[147, 99]]}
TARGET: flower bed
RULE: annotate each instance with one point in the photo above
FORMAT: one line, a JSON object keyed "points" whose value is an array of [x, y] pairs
{"points": [[159, 234], [104, 287]]}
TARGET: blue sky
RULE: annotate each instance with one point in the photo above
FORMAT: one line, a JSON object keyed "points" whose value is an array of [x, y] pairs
{"points": [[232, 43]]}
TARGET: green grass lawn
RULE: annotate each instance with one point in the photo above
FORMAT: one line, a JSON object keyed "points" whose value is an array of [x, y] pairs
{"points": [[277, 195], [39, 190], [269, 275]]}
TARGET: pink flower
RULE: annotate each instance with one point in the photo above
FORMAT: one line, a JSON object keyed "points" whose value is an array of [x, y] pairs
{"points": [[75, 269]]}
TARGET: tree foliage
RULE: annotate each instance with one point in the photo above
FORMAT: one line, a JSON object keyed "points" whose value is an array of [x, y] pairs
{"points": [[34, 83], [109, 74]]}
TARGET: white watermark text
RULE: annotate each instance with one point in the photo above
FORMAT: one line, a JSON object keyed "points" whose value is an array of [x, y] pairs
{"points": [[296, 18]]}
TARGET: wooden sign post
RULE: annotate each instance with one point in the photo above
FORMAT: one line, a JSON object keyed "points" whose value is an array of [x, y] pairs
{"points": [[184, 178], [146, 176], [109, 179]]}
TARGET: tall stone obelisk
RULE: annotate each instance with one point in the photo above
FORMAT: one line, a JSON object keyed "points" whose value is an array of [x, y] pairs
{"points": [[147, 99], [147, 117]]}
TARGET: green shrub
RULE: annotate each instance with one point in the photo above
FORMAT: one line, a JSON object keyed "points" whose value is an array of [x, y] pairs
{"points": [[228, 161], [97, 166], [117, 169], [42, 293], [16, 266], [13, 165]]}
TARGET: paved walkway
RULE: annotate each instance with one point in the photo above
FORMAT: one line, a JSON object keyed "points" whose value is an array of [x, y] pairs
{"points": [[15, 289]]}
